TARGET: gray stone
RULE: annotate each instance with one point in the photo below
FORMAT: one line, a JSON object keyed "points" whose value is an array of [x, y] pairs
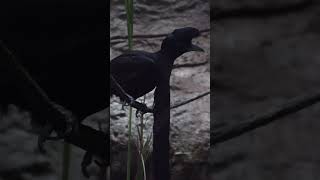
{"points": [[260, 63]]}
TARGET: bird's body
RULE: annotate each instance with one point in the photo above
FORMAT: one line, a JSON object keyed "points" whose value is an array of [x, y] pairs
{"points": [[140, 77], [139, 72]]}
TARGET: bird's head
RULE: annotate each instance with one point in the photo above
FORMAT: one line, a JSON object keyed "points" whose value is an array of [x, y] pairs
{"points": [[180, 41]]}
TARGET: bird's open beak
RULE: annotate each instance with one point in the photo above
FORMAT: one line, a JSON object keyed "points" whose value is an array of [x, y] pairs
{"points": [[195, 48]]}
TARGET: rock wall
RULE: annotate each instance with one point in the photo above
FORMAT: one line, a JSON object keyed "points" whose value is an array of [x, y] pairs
{"points": [[265, 53]]}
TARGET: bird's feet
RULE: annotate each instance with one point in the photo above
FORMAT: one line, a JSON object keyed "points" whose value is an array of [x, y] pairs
{"points": [[43, 136], [87, 160], [67, 126], [70, 121], [141, 107]]}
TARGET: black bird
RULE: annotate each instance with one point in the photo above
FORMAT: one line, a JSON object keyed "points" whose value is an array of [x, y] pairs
{"points": [[139, 72]]}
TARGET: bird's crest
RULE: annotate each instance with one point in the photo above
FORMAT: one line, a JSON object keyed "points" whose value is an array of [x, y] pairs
{"points": [[186, 33], [180, 41]]}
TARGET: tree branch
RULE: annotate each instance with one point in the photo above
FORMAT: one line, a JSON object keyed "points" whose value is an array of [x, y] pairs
{"points": [[234, 131], [189, 100]]}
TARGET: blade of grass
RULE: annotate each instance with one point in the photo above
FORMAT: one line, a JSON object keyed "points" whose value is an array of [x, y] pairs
{"points": [[143, 166], [129, 11], [129, 145]]}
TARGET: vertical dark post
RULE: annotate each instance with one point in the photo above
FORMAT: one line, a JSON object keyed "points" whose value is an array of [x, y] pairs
{"points": [[161, 129]]}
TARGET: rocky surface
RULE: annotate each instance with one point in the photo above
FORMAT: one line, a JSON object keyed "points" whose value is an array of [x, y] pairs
{"points": [[21, 158], [235, 5], [259, 62], [190, 123]]}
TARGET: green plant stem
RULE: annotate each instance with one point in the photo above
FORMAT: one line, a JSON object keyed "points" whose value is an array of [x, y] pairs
{"points": [[143, 166], [141, 147], [129, 11], [141, 133], [129, 145]]}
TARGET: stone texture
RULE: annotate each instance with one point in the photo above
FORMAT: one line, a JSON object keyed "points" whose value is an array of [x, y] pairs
{"points": [[234, 4], [20, 158], [259, 63]]}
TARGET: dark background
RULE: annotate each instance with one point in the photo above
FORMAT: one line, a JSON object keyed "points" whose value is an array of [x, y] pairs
{"points": [[63, 45], [263, 54], [60, 43]]}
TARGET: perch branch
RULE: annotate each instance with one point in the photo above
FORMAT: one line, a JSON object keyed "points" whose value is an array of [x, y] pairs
{"points": [[175, 66], [189, 100], [20, 70], [293, 106]]}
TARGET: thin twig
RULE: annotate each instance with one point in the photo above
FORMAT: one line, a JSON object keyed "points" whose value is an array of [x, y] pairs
{"points": [[26, 75], [175, 66], [189, 100], [293, 106]]}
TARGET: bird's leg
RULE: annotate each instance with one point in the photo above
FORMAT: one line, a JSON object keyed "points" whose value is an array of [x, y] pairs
{"points": [[86, 161], [124, 104], [49, 127], [141, 107], [71, 123], [88, 157], [138, 114], [127, 98], [43, 136]]}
